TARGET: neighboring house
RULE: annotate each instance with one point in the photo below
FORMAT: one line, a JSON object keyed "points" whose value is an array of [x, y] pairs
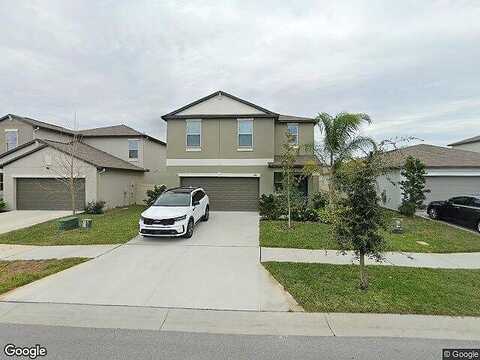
{"points": [[117, 164], [450, 172], [232, 147], [470, 144]]}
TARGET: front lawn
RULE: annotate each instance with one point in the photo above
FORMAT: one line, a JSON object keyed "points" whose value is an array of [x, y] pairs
{"points": [[114, 226], [17, 273], [401, 290], [440, 237]]}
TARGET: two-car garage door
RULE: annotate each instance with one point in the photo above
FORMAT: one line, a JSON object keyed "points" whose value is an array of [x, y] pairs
{"points": [[228, 193], [48, 194], [445, 187]]}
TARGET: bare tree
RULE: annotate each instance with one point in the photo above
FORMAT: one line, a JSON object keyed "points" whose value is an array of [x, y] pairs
{"points": [[66, 166]]}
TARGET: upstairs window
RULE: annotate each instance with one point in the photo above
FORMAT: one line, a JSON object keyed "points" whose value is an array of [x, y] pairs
{"points": [[194, 133], [133, 146], [11, 139], [292, 130], [245, 133]]}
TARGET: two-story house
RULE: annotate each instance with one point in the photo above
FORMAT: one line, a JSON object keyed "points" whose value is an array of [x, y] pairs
{"points": [[115, 164], [232, 148]]}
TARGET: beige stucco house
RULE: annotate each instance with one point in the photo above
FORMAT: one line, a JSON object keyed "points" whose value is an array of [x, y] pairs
{"points": [[449, 172], [231, 147], [115, 164]]}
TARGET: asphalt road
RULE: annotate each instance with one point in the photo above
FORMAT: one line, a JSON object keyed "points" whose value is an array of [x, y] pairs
{"points": [[89, 343]]}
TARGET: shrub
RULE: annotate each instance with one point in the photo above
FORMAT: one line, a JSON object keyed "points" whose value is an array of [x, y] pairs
{"points": [[325, 215], [319, 200], [407, 209], [3, 205], [95, 207], [269, 207], [152, 195], [305, 214]]}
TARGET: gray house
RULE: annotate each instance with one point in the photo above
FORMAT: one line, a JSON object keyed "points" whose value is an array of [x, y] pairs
{"points": [[450, 172], [231, 147], [115, 164]]}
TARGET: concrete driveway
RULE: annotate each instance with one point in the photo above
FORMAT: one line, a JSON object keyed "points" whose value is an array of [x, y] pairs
{"points": [[18, 219], [218, 268]]}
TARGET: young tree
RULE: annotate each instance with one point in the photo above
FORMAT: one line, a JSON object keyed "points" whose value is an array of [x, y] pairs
{"points": [[340, 140], [67, 168], [358, 216], [413, 187], [289, 178]]}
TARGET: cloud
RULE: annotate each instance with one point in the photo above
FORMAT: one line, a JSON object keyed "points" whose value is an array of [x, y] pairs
{"points": [[411, 65]]}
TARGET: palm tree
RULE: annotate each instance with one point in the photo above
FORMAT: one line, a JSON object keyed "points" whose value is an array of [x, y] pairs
{"points": [[341, 140]]}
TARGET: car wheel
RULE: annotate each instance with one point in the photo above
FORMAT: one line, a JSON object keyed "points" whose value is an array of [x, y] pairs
{"points": [[190, 227], [433, 213], [206, 216]]}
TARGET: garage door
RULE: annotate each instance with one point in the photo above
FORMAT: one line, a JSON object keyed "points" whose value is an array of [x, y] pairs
{"points": [[228, 194], [445, 187], [48, 194]]}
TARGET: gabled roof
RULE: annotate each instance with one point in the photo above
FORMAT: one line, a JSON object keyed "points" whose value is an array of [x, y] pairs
{"points": [[173, 114], [38, 123], [116, 130], [434, 156], [264, 112], [89, 154], [466, 141]]}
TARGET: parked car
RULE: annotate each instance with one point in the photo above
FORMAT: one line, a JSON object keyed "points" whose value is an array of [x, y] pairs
{"points": [[175, 213], [464, 210]]}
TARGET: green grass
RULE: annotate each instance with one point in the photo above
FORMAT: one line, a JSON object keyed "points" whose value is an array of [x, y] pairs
{"points": [[115, 226], [17, 273], [401, 290], [441, 237]]}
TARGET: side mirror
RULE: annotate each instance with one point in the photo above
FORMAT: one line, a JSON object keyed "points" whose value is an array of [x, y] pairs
{"points": [[196, 203]]}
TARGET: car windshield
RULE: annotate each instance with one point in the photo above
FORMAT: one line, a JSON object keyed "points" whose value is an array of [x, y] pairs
{"points": [[173, 199]]}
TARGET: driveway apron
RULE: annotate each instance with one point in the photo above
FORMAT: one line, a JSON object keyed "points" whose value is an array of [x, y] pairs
{"points": [[218, 268]]}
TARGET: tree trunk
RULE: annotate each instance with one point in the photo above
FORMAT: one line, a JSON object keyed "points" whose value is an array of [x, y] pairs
{"points": [[363, 273], [72, 195], [331, 187]]}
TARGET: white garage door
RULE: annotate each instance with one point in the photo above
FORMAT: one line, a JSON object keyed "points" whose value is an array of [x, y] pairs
{"points": [[445, 187]]}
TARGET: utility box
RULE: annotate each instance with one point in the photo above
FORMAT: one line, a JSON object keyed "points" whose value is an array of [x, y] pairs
{"points": [[68, 223], [87, 223]]}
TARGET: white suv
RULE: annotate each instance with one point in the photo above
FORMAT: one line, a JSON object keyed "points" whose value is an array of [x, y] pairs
{"points": [[175, 213]]}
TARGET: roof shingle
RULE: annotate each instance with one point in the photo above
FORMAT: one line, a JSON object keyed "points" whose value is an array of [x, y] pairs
{"points": [[435, 156], [93, 156]]}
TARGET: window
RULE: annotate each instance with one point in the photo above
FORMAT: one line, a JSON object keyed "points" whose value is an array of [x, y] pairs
{"points": [[171, 198], [194, 133], [133, 146], [301, 183], [462, 200], [245, 133], [198, 195], [476, 202], [292, 130], [11, 139], [1, 181]]}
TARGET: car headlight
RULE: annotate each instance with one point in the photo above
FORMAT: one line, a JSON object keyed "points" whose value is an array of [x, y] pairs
{"points": [[180, 218]]}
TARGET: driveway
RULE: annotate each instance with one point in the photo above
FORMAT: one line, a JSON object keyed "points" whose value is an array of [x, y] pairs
{"points": [[218, 268], [18, 219]]}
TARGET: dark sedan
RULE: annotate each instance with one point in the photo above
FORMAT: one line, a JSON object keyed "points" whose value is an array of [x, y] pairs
{"points": [[464, 210]]}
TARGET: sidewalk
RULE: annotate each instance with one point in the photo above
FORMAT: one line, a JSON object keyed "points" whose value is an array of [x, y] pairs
{"points": [[30, 252], [444, 261], [242, 322]]}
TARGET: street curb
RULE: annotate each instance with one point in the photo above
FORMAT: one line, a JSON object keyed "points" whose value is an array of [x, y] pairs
{"points": [[241, 322]]}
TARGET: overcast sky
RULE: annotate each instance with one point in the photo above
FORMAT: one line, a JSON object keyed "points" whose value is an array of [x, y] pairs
{"points": [[412, 65]]}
